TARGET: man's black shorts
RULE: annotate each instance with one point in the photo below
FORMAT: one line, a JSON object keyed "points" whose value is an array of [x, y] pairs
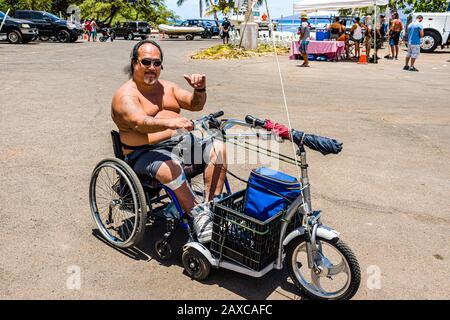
{"points": [[395, 38], [192, 153]]}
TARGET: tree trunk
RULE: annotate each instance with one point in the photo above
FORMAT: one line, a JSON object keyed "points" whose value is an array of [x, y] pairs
{"points": [[114, 11], [216, 17]]}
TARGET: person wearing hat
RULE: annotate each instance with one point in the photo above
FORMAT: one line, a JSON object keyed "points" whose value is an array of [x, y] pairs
{"points": [[304, 33]]}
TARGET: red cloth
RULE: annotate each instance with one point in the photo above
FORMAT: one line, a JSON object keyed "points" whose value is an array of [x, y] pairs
{"points": [[280, 129], [88, 26]]}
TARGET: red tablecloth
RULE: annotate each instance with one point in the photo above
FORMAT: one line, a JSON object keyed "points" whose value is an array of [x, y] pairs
{"points": [[332, 49]]}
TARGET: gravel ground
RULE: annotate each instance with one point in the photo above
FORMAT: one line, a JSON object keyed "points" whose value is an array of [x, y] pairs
{"points": [[387, 192]]}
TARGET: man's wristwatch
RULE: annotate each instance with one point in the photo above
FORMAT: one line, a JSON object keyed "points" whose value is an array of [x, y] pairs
{"points": [[200, 90]]}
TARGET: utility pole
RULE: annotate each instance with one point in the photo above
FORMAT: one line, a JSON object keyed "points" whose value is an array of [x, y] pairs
{"points": [[249, 32]]}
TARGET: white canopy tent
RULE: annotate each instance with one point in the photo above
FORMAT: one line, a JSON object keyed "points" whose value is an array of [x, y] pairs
{"points": [[314, 5]]}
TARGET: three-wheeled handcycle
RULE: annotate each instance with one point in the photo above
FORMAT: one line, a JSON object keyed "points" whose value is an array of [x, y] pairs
{"points": [[319, 263]]}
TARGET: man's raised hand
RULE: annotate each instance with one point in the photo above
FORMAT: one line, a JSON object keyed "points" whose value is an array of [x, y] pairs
{"points": [[196, 81]]}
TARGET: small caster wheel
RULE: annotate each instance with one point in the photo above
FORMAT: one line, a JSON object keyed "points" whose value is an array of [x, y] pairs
{"points": [[163, 249], [195, 264]]}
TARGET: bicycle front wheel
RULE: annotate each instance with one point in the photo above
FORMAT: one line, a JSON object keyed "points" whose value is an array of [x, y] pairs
{"points": [[337, 276]]}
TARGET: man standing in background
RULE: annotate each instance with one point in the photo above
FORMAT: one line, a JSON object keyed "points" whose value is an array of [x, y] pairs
{"points": [[226, 25], [415, 33], [303, 31], [394, 36]]}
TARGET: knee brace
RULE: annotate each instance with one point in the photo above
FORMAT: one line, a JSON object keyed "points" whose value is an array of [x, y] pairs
{"points": [[177, 182]]}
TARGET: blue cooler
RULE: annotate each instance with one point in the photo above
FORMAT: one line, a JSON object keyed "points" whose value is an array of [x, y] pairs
{"points": [[322, 35], [266, 193]]}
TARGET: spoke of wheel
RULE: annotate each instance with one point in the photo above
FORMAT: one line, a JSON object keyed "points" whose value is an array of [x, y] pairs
{"points": [[316, 281], [102, 188], [110, 184], [109, 178], [102, 211], [126, 194], [106, 188], [103, 208], [124, 221], [108, 200], [336, 269]]}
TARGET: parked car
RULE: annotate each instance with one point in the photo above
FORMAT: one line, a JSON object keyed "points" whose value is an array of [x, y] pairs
{"points": [[131, 29], [16, 30], [211, 27], [50, 25]]}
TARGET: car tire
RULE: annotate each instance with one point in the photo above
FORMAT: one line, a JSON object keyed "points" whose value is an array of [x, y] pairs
{"points": [[207, 35], [129, 36], [189, 37], [430, 41], [14, 37], [63, 36]]}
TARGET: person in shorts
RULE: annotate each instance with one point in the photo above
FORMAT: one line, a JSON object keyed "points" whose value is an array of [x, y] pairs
{"points": [[226, 25], [147, 112], [304, 34], [356, 35], [394, 36], [415, 34]]}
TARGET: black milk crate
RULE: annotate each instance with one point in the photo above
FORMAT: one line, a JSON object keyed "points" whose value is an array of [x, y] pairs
{"points": [[244, 239]]}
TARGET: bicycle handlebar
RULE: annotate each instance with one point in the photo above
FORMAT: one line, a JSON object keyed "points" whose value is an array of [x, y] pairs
{"points": [[217, 114], [322, 144], [211, 117], [254, 121]]}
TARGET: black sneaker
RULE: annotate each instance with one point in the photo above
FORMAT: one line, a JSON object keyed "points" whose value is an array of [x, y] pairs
{"points": [[413, 69], [406, 68]]}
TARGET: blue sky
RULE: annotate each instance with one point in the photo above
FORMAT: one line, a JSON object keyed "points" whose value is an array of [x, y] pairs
{"points": [[190, 8]]}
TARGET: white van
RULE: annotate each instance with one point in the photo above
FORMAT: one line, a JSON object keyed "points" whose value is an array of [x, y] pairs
{"points": [[436, 27]]}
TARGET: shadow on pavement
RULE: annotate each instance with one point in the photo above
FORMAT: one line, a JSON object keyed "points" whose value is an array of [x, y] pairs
{"points": [[245, 286]]}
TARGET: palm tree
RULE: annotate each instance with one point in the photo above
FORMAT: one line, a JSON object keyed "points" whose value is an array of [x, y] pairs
{"points": [[201, 3]]}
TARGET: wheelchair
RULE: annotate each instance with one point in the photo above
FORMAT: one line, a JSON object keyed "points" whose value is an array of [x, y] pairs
{"points": [[319, 263], [122, 202]]}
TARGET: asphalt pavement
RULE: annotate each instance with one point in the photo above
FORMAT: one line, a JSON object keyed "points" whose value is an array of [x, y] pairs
{"points": [[387, 192]]}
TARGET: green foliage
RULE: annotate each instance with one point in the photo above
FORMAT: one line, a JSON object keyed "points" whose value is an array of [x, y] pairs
{"points": [[408, 6], [24, 5], [107, 11], [420, 5]]}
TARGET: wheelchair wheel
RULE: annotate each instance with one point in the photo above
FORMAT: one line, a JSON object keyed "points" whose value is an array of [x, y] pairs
{"points": [[118, 203]]}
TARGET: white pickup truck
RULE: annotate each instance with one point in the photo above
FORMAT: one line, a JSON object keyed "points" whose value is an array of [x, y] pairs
{"points": [[436, 27]]}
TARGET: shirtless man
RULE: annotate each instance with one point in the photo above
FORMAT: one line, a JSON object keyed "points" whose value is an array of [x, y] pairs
{"points": [[394, 36], [147, 109]]}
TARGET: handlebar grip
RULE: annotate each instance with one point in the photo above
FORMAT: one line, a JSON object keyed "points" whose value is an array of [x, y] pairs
{"points": [[254, 121], [217, 114]]}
